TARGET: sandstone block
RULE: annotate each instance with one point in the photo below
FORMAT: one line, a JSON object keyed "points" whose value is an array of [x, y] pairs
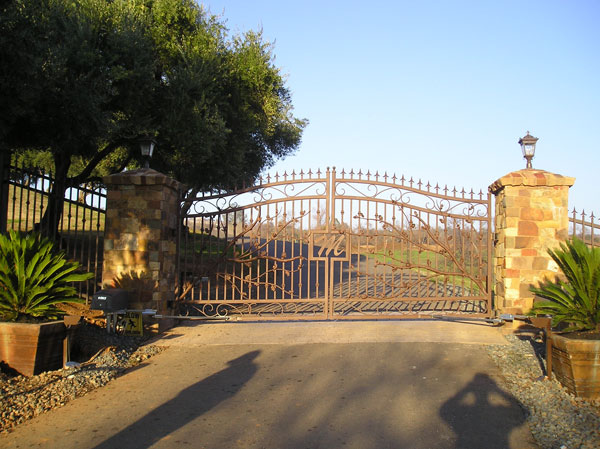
{"points": [[512, 222], [524, 191], [524, 242], [527, 228], [512, 273], [524, 291], [512, 293], [137, 203], [513, 211], [532, 214], [529, 252], [519, 263]]}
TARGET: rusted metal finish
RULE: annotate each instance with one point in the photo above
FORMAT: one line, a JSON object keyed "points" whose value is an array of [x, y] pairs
{"points": [[329, 245], [585, 226], [80, 230]]}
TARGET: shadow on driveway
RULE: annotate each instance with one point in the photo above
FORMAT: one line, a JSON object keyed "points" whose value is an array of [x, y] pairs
{"points": [[482, 415], [188, 405]]}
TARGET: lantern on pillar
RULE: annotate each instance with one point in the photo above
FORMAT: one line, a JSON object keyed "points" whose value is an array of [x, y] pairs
{"points": [[147, 145], [528, 147]]}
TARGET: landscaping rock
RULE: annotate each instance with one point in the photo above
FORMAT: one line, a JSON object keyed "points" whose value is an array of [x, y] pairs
{"points": [[556, 418], [104, 356]]}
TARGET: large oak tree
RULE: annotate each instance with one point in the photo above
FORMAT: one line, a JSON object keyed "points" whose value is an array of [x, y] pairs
{"points": [[85, 79]]}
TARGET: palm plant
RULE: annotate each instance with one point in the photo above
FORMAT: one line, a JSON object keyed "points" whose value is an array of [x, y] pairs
{"points": [[34, 278], [575, 300]]}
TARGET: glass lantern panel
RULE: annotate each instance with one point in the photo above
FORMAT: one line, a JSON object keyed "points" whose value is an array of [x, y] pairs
{"points": [[147, 148], [528, 150]]}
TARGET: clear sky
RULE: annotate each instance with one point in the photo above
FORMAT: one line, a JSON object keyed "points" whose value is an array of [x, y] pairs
{"points": [[438, 90]]}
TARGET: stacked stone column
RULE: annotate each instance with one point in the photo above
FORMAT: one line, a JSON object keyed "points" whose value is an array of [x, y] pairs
{"points": [[140, 236], [531, 217]]}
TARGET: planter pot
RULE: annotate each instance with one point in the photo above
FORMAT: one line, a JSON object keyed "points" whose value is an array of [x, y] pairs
{"points": [[576, 364], [32, 348]]}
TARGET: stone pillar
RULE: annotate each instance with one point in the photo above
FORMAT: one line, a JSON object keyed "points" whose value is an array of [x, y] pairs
{"points": [[531, 216], [140, 236]]}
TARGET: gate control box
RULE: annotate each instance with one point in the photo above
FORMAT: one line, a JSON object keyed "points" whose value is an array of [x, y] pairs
{"points": [[110, 300]]}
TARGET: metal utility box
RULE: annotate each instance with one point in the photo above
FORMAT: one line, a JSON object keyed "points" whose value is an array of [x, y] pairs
{"points": [[110, 300]]}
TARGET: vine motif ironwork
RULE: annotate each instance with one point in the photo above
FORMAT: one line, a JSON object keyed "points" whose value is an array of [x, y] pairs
{"points": [[287, 246]]}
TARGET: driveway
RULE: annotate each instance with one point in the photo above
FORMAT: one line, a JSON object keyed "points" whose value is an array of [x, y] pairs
{"points": [[363, 385]]}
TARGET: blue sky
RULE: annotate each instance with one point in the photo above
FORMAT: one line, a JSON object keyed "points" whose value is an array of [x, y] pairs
{"points": [[438, 90]]}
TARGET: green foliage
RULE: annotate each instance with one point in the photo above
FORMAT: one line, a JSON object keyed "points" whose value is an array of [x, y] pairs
{"points": [[575, 301], [42, 160], [34, 277], [78, 75], [225, 113], [85, 79]]}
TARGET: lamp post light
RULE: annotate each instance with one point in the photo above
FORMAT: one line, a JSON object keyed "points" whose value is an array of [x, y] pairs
{"points": [[528, 147], [147, 145]]}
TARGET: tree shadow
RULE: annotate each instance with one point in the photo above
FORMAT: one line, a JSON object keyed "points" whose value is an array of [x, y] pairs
{"points": [[482, 414], [188, 405]]}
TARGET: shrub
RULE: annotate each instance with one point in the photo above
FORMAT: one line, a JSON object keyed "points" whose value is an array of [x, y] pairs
{"points": [[34, 277], [574, 301]]}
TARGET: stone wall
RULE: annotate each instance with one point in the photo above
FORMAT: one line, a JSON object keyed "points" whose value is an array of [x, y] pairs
{"points": [[140, 236], [531, 216]]}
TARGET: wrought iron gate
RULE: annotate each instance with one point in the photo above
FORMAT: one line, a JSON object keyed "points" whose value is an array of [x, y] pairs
{"points": [[329, 245]]}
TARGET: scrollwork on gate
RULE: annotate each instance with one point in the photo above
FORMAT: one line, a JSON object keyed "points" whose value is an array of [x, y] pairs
{"points": [[315, 243]]}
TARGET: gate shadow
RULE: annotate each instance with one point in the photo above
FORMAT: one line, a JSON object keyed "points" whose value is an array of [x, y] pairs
{"points": [[188, 405]]}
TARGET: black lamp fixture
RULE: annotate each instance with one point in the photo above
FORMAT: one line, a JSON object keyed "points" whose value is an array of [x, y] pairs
{"points": [[528, 147], [147, 145]]}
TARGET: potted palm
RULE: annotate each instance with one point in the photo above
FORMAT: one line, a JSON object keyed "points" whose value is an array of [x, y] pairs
{"points": [[34, 279], [574, 303]]}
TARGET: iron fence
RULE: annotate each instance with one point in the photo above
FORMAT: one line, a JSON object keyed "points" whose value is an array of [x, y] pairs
{"points": [[79, 228], [585, 226], [336, 245]]}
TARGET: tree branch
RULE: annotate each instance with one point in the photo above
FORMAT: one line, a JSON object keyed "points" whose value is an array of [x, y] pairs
{"points": [[87, 171]]}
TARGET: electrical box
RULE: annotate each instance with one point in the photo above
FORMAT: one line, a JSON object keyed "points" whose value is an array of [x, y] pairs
{"points": [[110, 300]]}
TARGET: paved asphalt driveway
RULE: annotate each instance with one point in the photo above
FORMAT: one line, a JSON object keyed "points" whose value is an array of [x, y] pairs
{"points": [[298, 385]]}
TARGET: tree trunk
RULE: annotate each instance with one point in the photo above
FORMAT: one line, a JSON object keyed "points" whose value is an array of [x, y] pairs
{"points": [[4, 176], [83, 193], [56, 198], [185, 208]]}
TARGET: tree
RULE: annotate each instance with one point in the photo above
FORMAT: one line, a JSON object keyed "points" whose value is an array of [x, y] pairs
{"points": [[85, 79], [87, 64], [222, 100]]}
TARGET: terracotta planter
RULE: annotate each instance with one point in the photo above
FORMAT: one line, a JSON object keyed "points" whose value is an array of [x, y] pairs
{"points": [[32, 348], [576, 364]]}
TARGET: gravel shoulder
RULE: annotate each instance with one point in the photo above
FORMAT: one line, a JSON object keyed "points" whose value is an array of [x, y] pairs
{"points": [[557, 419], [103, 357]]}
